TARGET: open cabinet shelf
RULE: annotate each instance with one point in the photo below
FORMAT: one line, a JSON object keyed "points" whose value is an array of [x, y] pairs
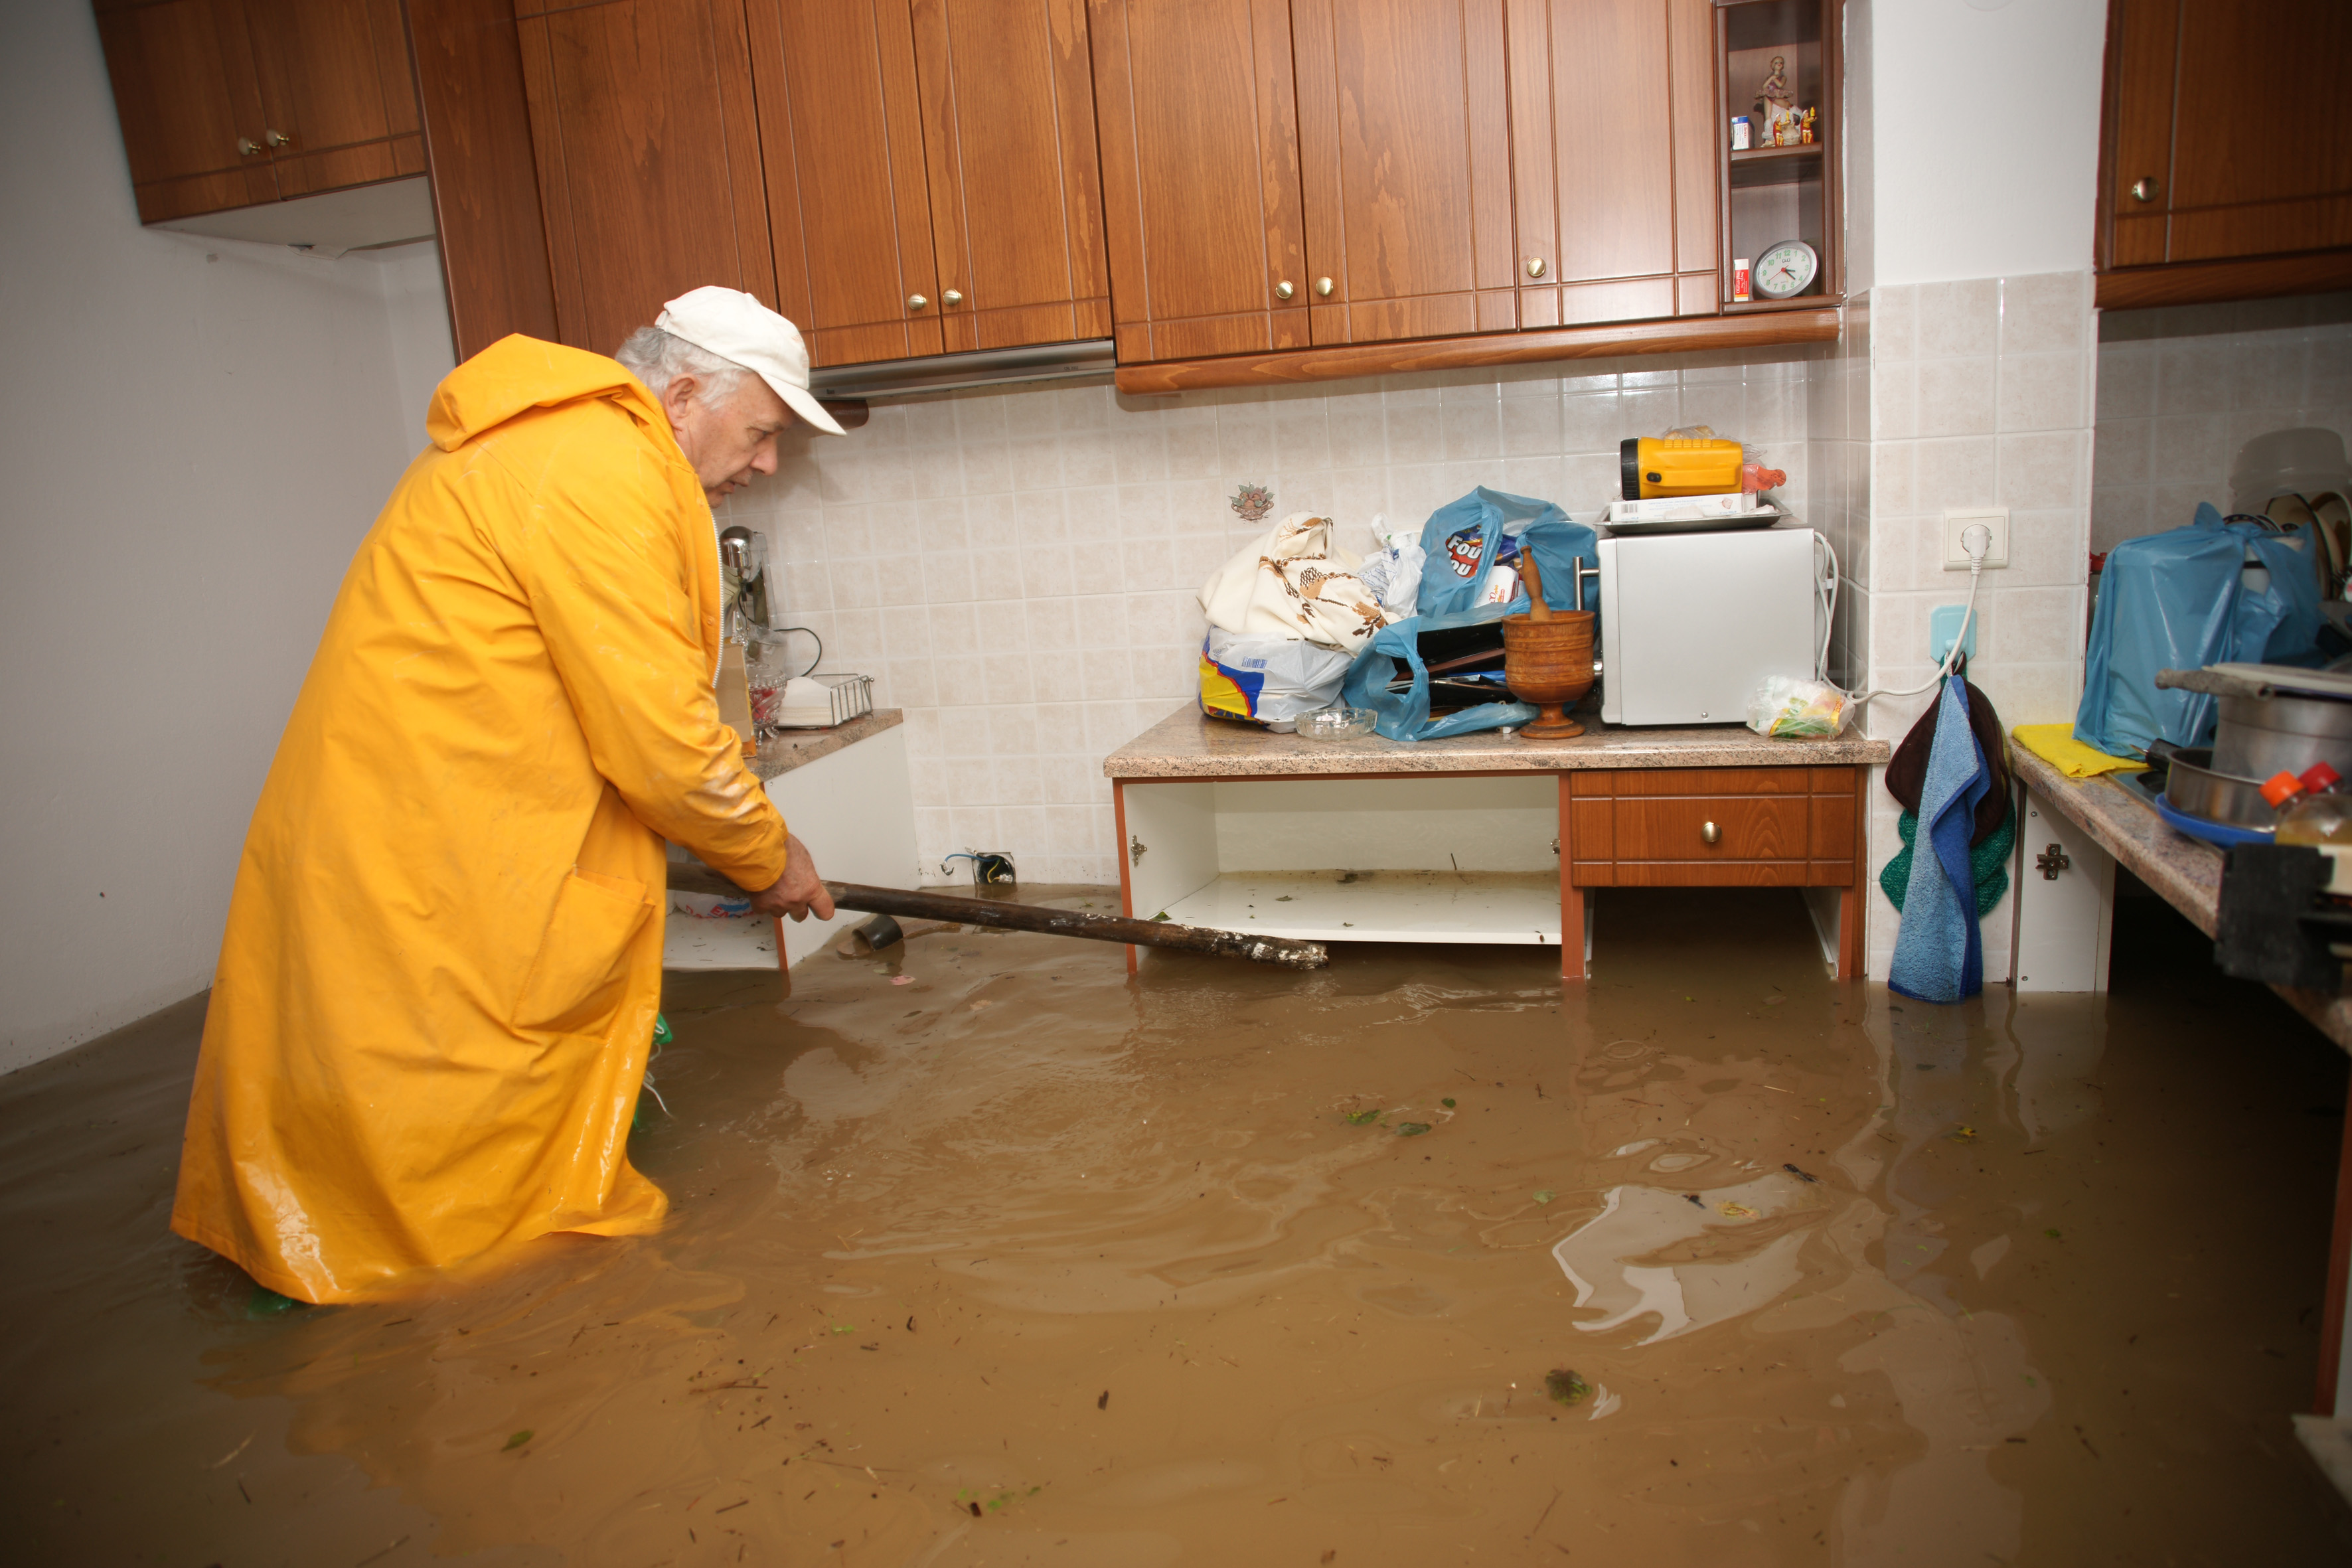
{"points": [[1773, 195]]}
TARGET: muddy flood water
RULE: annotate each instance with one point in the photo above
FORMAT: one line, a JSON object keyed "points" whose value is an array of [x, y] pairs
{"points": [[1025, 1261]]}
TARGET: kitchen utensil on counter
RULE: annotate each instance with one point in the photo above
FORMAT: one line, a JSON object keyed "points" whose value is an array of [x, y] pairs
{"points": [[1548, 660], [1341, 723], [2195, 788], [2273, 717], [694, 877]]}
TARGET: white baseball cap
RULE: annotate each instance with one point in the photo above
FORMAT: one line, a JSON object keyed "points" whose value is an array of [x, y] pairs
{"points": [[734, 326]]}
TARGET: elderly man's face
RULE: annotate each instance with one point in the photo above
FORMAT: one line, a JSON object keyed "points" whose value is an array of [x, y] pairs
{"points": [[730, 441]]}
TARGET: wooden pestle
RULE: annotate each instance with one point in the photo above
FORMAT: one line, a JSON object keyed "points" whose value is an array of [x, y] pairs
{"points": [[1536, 609]]}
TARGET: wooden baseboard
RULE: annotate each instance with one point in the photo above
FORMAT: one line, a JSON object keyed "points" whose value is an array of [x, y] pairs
{"points": [[2212, 282], [1344, 360]]}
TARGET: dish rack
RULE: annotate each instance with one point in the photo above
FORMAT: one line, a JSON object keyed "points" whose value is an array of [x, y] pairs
{"points": [[853, 698]]}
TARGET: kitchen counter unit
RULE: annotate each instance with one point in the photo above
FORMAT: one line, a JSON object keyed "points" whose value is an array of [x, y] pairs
{"points": [[1486, 838], [1188, 745], [2186, 873], [798, 748]]}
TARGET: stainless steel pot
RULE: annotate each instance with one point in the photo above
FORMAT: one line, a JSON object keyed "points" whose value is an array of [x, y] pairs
{"points": [[2192, 785], [2261, 735]]}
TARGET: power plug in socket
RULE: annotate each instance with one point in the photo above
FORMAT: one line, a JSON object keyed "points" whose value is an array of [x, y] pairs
{"points": [[1957, 520]]}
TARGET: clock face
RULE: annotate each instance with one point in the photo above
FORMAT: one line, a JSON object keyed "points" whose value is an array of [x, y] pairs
{"points": [[1786, 270]]}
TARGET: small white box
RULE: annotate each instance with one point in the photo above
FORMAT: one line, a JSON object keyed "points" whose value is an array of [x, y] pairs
{"points": [[1687, 509]]}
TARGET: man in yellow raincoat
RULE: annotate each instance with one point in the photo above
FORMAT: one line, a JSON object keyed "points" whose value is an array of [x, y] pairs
{"points": [[438, 986]]}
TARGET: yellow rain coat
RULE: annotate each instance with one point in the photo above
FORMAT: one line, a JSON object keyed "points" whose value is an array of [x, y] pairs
{"points": [[438, 986]]}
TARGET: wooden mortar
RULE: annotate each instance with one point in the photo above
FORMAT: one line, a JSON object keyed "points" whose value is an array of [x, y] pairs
{"points": [[1547, 659]]}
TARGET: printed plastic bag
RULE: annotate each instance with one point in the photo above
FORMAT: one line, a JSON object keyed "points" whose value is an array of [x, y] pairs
{"points": [[1294, 582], [1464, 539], [1267, 681], [1393, 575], [1785, 708], [2183, 600]]}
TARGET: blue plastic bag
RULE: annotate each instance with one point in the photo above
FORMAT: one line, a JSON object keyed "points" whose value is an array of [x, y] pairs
{"points": [[2178, 599], [1461, 540]]}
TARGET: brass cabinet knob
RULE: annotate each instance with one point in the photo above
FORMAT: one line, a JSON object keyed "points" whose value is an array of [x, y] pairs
{"points": [[246, 146], [1535, 265], [916, 302], [2145, 188], [1282, 290], [951, 298], [278, 138], [1323, 286], [1709, 833]]}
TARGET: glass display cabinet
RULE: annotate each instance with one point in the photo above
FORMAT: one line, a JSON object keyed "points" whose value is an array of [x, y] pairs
{"points": [[1777, 76]]}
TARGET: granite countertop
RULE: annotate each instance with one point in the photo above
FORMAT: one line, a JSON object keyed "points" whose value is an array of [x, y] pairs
{"points": [[798, 748], [2186, 872], [1188, 745]]}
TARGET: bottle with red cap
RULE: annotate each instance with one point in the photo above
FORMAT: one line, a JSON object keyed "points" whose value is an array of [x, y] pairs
{"points": [[2314, 807]]}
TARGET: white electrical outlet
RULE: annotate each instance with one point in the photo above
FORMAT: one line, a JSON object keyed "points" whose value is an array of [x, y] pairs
{"points": [[1957, 520]]}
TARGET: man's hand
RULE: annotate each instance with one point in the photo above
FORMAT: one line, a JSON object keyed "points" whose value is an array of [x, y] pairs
{"points": [[798, 892]]}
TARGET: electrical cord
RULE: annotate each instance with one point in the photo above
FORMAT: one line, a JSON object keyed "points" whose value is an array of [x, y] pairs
{"points": [[1976, 539]]}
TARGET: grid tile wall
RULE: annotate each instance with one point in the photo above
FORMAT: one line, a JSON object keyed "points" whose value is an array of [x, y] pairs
{"points": [[1981, 394], [1018, 569], [2180, 390]]}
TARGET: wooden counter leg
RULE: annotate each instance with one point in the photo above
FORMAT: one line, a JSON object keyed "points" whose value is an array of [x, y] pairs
{"points": [[1571, 897], [2333, 1325], [1851, 913]]}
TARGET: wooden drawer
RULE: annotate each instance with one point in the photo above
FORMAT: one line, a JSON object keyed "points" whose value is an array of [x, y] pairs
{"points": [[1781, 828]]}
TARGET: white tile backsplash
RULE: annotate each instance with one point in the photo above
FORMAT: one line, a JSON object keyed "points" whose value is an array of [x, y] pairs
{"points": [[2180, 390]]}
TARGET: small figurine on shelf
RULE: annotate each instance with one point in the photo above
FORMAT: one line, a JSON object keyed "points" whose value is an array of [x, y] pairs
{"points": [[1775, 103], [1808, 120]]}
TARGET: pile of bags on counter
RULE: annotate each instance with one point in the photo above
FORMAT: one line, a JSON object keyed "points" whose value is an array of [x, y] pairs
{"points": [[1297, 623]]}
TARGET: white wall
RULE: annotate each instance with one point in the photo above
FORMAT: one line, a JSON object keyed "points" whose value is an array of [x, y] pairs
{"points": [[1981, 142], [194, 436]]}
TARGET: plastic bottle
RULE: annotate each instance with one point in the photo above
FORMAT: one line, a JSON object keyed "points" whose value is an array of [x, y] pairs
{"points": [[2312, 808]]}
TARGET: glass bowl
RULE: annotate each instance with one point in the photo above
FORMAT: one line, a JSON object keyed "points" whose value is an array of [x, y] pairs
{"points": [[1335, 724]]}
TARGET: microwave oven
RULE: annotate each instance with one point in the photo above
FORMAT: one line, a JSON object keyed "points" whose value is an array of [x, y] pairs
{"points": [[1693, 623]]}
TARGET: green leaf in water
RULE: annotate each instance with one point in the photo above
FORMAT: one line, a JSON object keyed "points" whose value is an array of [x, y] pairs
{"points": [[1447, 1102], [845, 1328], [1566, 1385], [1358, 1118], [518, 1439], [2053, 1234], [1545, 1195], [1412, 1129]]}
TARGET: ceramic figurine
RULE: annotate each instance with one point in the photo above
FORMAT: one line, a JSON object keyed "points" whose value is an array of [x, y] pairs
{"points": [[1774, 102], [1808, 121]]}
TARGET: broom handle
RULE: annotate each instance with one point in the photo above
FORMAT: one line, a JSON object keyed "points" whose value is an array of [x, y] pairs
{"points": [[693, 877]]}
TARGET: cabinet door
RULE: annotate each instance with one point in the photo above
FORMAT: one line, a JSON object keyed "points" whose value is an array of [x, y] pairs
{"points": [[184, 93], [841, 138], [641, 126], [2224, 128], [1404, 167], [1602, 177], [1016, 185], [335, 81], [1198, 124]]}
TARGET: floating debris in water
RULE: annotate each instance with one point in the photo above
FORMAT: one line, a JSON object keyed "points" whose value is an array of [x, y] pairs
{"points": [[1447, 1102], [1695, 1200], [1739, 1211], [902, 980], [1801, 1175], [1566, 1385], [518, 1439], [1412, 1129], [1103, 1402], [1545, 1195], [1360, 1118]]}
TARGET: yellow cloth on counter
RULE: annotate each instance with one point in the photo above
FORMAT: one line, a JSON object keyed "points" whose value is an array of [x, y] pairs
{"points": [[2055, 744], [438, 985]]}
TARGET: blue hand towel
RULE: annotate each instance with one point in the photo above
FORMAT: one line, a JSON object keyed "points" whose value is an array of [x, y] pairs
{"points": [[1940, 950]]}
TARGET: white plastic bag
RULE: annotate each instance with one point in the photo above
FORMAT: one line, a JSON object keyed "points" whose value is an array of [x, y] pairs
{"points": [[1393, 575], [1269, 680], [1787, 708], [1294, 582]]}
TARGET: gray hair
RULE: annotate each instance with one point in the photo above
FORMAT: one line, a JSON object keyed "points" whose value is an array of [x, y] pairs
{"points": [[655, 357]]}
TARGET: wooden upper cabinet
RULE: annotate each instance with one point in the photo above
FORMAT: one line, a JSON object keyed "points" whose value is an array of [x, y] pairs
{"points": [[842, 141], [337, 93], [190, 108], [1008, 121], [2222, 133], [1404, 168], [642, 129], [1197, 121], [1613, 158]]}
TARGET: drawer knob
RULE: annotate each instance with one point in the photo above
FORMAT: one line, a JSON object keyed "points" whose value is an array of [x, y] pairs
{"points": [[1709, 833]]}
